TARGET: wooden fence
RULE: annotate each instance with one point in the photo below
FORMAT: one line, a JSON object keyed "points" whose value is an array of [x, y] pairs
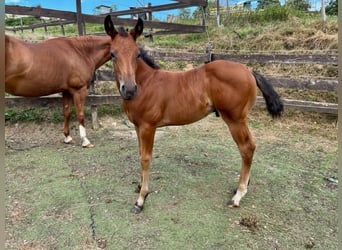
{"points": [[80, 19], [298, 83]]}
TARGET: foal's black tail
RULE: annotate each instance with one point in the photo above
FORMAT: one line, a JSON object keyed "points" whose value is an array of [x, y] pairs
{"points": [[273, 103]]}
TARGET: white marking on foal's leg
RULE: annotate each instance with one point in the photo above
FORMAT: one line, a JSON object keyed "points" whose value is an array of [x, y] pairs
{"points": [[85, 141], [237, 197], [68, 139], [140, 201]]}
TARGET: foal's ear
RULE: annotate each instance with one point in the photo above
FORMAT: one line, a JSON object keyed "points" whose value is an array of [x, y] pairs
{"points": [[138, 29], [109, 27]]}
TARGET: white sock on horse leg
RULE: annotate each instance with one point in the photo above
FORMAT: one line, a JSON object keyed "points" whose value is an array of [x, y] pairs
{"points": [[85, 141], [67, 139]]}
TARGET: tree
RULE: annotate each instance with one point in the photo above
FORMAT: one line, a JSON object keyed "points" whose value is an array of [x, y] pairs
{"points": [[198, 12], [184, 14], [263, 4], [332, 8], [302, 5]]}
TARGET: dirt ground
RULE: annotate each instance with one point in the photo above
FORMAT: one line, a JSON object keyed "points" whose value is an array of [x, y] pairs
{"points": [[23, 135], [59, 200]]}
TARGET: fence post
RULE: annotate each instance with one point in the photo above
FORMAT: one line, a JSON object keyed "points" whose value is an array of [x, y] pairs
{"points": [[79, 18], [45, 27], [93, 108], [149, 18], [21, 25], [62, 28]]}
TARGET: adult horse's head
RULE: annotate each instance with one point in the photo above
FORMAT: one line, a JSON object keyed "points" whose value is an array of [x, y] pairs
{"points": [[124, 53]]}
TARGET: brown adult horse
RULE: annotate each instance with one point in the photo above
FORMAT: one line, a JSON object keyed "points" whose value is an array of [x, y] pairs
{"points": [[155, 98], [57, 65]]}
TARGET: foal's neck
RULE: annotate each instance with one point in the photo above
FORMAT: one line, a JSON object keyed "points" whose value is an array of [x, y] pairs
{"points": [[143, 71]]}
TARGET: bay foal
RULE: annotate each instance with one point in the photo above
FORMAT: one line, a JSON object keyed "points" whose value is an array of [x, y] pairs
{"points": [[154, 98]]}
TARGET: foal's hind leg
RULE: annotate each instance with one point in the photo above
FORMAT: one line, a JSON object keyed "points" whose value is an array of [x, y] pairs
{"points": [[245, 143], [67, 98]]}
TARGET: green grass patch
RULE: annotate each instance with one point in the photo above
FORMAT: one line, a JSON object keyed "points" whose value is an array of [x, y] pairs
{"points": [[40, 114], [66, 197]]}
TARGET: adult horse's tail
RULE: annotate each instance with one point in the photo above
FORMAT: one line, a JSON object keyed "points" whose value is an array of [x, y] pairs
{"points": [[273, 103]]}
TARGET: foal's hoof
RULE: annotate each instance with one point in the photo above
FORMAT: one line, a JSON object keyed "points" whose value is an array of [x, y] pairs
{"points": [[88, 146], [232, 204], [136, 209]]}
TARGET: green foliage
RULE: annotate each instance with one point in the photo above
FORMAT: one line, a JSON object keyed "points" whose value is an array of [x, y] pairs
{"points": [[184, 13], [302, 5], [264, 4], [270, 14], [332, 8], [21, 21], [14, 115], [110, 109]]}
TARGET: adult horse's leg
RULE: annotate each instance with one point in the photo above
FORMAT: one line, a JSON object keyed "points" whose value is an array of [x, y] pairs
{"points": [[145, 139], [79, 102], [245, 143], [67, 98]]}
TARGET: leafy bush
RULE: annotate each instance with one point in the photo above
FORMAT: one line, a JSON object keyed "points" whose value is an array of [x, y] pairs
{"points": [[269, 14], [332, 8], [21, 21], [302, 5], [264, 4]]}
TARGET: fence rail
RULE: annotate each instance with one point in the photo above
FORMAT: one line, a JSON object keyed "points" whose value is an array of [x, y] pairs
{"points": [[299, 83], [39, 25], [97, 100], [323, 59], [170, 28], [279, 82]]}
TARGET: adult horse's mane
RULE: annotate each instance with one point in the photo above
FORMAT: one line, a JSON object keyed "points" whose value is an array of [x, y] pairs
{"points": [[147, 59]]}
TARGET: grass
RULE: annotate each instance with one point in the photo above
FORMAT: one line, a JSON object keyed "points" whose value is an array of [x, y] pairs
{"points": [[55, 115], [69, 198]]}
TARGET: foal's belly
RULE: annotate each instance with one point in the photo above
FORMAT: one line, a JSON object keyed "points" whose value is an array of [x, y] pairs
{"points": [[186, 114]]}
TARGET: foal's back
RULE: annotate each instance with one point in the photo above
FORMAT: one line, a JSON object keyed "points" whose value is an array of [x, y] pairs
{"points": [[182, 97]]}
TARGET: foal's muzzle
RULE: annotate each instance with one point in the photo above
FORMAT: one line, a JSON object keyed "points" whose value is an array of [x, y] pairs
{"points": [[128, 92]]}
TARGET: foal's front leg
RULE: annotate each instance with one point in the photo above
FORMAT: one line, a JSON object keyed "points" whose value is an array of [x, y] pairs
{"points": [[145, 139]]}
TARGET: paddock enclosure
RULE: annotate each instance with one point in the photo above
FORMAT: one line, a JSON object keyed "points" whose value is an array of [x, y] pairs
{"points": [[64, 197], [57, 199]]}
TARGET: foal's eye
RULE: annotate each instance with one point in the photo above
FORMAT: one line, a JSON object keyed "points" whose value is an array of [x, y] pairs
{"points": [[112, 55], [139, 55]]}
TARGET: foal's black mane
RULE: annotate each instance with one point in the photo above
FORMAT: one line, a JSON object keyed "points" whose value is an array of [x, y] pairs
{"points": [[147, 59]]}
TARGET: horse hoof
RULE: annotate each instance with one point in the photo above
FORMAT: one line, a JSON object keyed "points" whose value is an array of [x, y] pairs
{"points": [[232, 204], [70, 142], [88, 146], [234, 190], [136, 209]]}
